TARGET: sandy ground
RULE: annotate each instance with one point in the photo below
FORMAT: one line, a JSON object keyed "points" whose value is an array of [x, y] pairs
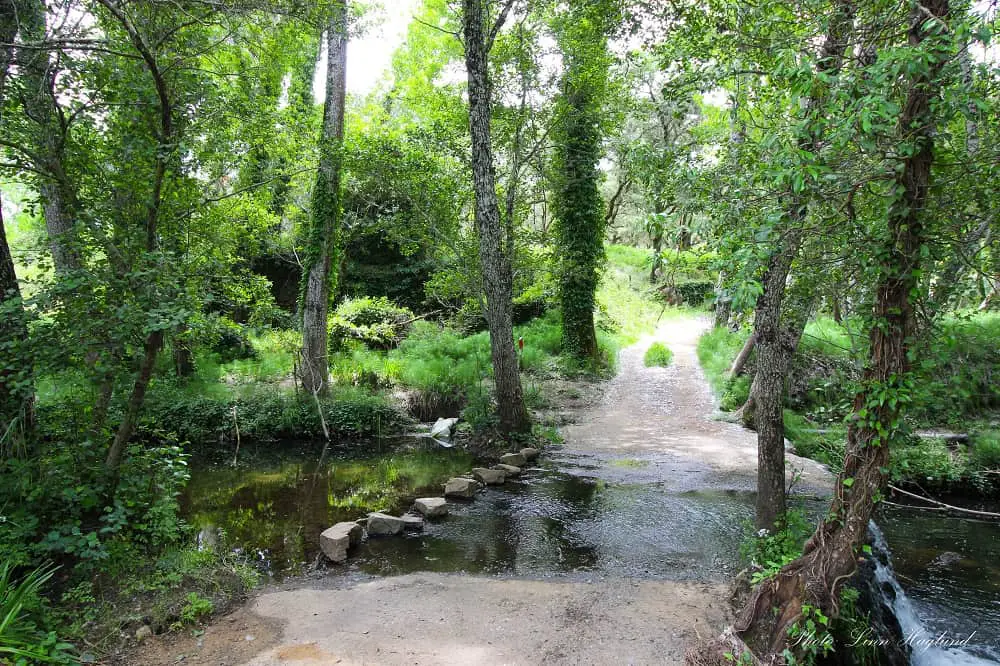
{"points": [[457, 619]]}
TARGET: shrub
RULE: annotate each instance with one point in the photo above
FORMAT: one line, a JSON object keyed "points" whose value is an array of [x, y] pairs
{"points": [[928, 462], [229, 340], [985, 450], [658, 355], [769, 551], [374, 321]]}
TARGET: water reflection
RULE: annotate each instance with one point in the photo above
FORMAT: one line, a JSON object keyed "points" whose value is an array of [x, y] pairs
{"points": [[274, 511]]}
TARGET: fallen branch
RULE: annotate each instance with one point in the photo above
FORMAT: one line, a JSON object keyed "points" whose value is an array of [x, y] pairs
{"points": [[948, 507]]}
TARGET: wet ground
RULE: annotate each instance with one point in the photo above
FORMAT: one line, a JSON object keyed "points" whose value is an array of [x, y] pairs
{"points": [[615, 548]]}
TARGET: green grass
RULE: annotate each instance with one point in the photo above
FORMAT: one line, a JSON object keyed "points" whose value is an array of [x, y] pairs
{"points": [[658, 355], [275, 352], [716, 351]]}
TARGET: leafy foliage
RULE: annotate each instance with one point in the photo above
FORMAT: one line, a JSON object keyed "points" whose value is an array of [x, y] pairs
{"points": [[658, 355]]}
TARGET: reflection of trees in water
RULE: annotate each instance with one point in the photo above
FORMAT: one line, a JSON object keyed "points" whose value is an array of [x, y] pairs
{"points": [[279, 511]]}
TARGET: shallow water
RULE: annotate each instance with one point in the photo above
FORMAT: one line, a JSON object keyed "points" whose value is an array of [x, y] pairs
{"points": [[575, 514]]}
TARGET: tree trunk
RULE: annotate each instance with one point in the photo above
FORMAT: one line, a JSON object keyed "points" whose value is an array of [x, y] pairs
{"points": [[167, 140], [183, 353], [723, 303], [775, 346], [657, 246], [327, 211], [41, 105], [740, 362], [495, 263], [830, 556], [17, 393], [577, 198]]}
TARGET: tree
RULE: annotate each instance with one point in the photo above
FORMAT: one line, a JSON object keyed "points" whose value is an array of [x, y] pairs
{"points": [[577, 203], [50, 135], [495, 259], [327, 210], [16, 386], [777, 335], [830, 556]]}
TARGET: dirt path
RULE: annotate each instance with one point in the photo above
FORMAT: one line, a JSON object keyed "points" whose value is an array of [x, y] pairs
{"points": [[671, 412], [653, 429]]}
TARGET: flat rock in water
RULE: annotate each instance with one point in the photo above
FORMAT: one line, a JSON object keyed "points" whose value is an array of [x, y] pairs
{"points": [[431, 507], [412, 522], [491, 477], [509, 470], [336, 540], [529, 454], [461, 487], [382, 524], [513, 459]]}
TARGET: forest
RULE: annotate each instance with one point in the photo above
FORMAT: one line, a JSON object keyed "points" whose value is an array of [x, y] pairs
{"points": [[213, 251]]}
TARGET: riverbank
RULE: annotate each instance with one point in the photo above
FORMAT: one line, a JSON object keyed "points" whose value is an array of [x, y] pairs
{"points": [[634, 523]]}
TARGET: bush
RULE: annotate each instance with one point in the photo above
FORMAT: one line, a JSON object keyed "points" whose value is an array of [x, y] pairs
{"points": [[985, 450], [230, 341], [658, 355], [374, 321]]}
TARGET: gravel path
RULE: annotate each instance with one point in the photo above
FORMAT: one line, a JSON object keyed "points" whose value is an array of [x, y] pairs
{"points": [[663, 416]]}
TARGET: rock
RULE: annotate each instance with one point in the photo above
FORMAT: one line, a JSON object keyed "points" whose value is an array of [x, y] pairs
{"points": [[412, 522], [382, 524], [529, 454], [143, 632], [461, 487], [442, 428], [335, 541], [491, 477], [509, 470], [431, 507], [513, 459]]}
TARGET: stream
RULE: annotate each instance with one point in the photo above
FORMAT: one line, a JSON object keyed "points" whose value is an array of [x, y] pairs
{"points": [[580, 515]]}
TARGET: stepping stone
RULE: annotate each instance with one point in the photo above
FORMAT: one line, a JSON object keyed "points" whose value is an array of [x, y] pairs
{"points": [[491, 477], [431, 507], [412, 522], [513, 459], [461, 487], [336, 540], [382, 524], [530, 454], [509, 470]]}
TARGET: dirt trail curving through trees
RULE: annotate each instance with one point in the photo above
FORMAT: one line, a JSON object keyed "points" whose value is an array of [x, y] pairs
{"points": [[653, 435]]}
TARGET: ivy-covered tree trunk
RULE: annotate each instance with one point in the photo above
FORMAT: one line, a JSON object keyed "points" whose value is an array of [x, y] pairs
{"points": [[58, 197], [830, 556], [776, 342], [327, 212], [494, 261], [577, 203]]}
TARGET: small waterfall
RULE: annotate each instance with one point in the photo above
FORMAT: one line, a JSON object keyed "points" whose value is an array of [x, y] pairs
{"points": [[926, 649]]}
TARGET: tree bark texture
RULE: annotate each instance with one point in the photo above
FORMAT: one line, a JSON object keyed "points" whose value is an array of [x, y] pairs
{"points": [[830, 556], [327, 212], [776, 343], [495, 262]]}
